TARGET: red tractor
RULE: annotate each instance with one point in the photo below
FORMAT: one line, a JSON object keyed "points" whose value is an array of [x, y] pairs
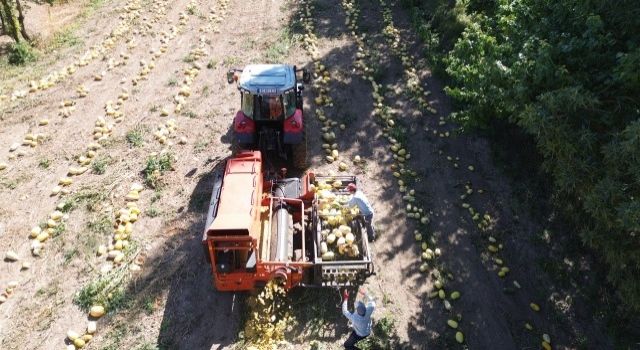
{"points": [[270, 118], [263, 226]]}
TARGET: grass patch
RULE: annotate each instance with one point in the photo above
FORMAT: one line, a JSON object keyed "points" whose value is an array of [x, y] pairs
{"points": [[230, 61], [190, 114], [58, 230], [67, 206], [399, 133], [172, 81], [69, 255], [115, 336], [135, 136], [200, 146], [212, 64], [149, 304], [153, 212], [314, 310], [64, 38], [156, 167], [383, 336], [44, 163], [99, 166], [107, 291], [277, 51], [188, 59], [21, 53], [156, 196], [95, 4], [91, 198], [9, 184], [192, 10], [101, 225], [147, 346], [49, 291]]}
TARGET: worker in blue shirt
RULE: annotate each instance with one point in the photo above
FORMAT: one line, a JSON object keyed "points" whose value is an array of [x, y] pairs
{"points": [[360, 200], [360, 319]]}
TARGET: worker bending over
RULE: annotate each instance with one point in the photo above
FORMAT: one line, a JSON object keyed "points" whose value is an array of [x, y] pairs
{"points": [[360, 200], [360, 319]]}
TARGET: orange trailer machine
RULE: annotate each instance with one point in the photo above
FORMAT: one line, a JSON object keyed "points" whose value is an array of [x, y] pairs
{"points": [[261, 226]]}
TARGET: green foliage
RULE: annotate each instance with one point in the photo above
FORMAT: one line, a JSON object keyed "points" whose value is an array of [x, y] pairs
{"points": [[277, 51], [192, 10], [64, 38], [58, 229], [101, 225], [99, 166], [153, 212], [135, 137], [156, 166], [67, 206], [383, 337], [44, 163], [566, 73], [93, 199], [106, 291], [21, 53]]}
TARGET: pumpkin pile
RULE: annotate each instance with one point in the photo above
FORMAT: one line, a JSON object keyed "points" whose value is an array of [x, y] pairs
{"points": [[338, 241], [122, 231]]}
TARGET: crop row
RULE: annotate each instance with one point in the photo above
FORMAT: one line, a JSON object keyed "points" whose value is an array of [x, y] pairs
{"points": [[485, 223]]}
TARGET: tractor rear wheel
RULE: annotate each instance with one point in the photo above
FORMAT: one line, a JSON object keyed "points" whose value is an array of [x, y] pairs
{"points": [[299, 152], [236, 146]]}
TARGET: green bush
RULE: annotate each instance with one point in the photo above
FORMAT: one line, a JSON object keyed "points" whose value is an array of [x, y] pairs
{"points": [[566, 73], [21, 53], [156, 166]]}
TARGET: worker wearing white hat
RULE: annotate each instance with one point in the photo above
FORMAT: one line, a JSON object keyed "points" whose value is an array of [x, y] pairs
{"points": [[360, 319], [361, 201]]}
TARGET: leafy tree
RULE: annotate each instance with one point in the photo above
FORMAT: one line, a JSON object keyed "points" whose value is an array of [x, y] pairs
{"points": [[565, 72], [12, 15]]}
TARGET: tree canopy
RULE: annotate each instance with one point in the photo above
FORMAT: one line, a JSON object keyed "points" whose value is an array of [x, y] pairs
{"points": [[567, 74]]}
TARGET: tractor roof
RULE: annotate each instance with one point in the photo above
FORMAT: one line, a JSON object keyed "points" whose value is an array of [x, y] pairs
{"points": [[267, 79]]}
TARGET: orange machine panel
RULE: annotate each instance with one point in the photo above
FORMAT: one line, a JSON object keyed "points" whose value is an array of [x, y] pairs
{"points": [[240, 195]]}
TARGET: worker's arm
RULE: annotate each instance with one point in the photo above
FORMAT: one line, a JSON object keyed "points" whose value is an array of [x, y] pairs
{"points": [[345, 311], [345, 299]]}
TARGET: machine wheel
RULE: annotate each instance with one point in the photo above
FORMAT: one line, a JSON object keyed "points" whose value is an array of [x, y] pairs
{"points": [[299, 151]]}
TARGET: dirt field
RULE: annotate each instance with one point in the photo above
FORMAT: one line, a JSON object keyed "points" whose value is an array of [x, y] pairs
{"points": [[170, 303]]}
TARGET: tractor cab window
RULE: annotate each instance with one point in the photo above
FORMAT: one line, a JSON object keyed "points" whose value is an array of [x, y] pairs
{"points": [[269, 107], [247, 104], [289, 103]]}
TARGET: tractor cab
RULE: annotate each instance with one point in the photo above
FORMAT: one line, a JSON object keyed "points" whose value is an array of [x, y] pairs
{"points": [[270, 116]]}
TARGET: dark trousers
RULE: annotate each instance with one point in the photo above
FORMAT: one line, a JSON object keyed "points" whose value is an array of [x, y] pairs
{"points": [[368, 223], [350, 344]]}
